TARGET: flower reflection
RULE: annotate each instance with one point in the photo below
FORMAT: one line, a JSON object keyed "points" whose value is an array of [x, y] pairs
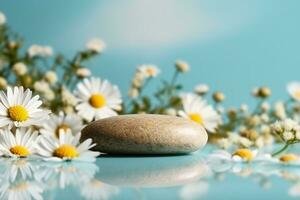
{"points": [[96, 189]]}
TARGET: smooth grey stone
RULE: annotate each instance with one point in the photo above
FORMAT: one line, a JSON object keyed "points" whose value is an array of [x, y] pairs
{"points": [[145, 134]]}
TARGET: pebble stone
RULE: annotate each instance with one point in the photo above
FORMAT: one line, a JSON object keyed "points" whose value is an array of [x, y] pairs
{"points": [[145, 134]]}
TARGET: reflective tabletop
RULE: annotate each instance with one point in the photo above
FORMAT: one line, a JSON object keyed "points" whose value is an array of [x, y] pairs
{"points": [[152, 177]]}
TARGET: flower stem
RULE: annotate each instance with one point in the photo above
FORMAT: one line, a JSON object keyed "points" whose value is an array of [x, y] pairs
{"points": [[282, 149]]}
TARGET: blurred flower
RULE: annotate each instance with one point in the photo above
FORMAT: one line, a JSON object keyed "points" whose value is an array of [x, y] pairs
{"points": [[224, 143], [67, 147], [293, 89], [20, 68], [83, 72], [201, 89], [265, 106], [2, 19], [20, 109], [133, 93], [68, 98], [171, 111], [95, 189], [244, 108], [148, 71], [96, 45], [240, 155], [68, 123], [279, 110], [182, 66], [22, 144], [287, 129], [39, 50], [218, 97], [51, 77], [3, 83], [196, 109], [44, 89], [97, 99]]}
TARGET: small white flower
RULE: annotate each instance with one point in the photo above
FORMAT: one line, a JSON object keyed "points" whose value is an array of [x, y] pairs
{"points": [[3, 83], [133, 93], [240, 155], [298, 135], [68, 123], [68, 98], [224, 143], [148, 71], [182, 66], [196, 109], [279, 110], [97, 99], [288, 135], [96, 45], [39, 50], [20, 68], [2, 19], [201, 89], [19, 108], [51, 77], [244, 108], [293, 89], [44, 89], [83, 72], [22, 144], [67, 147], [265, 106]]}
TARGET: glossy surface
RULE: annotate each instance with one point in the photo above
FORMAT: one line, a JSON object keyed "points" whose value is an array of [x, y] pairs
{"points": [[173, 177]]}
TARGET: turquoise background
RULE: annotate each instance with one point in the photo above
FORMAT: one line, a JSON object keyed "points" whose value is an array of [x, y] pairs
{"points": [[233, 45]]}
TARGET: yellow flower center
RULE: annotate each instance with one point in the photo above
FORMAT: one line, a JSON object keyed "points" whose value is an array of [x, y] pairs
{"points": [[97, 100], [66, 151], [246, 154], [151, 71], [297, 95], [196, 118], [288, 157], [62, 127], [18, 113], [19, 150]]}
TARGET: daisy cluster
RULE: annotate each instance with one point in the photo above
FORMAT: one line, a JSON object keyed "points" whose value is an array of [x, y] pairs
{"points": [[75, 98]]}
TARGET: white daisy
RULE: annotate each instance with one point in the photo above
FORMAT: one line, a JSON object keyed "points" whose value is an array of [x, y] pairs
{"points": [[240, 155], [19, 108], [21, 144], [198, 110], [67, 147], [148, 71], [293, 89], [97, 99], [64, 122]]}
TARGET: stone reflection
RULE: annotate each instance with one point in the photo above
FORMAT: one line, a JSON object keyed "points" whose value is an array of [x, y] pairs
{"points": [[153, 171]]}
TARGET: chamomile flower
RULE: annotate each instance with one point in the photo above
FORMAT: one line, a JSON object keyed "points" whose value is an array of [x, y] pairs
{"points": [[198, 110], [18, 108], [60, 122], [21, 144], [287, 159], [149, 71], [97, 99], [67, 147], [293, 89], [240, 155]]}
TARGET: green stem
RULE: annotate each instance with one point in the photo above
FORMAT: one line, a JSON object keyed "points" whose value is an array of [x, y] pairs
{"points": [[281, 150]]}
